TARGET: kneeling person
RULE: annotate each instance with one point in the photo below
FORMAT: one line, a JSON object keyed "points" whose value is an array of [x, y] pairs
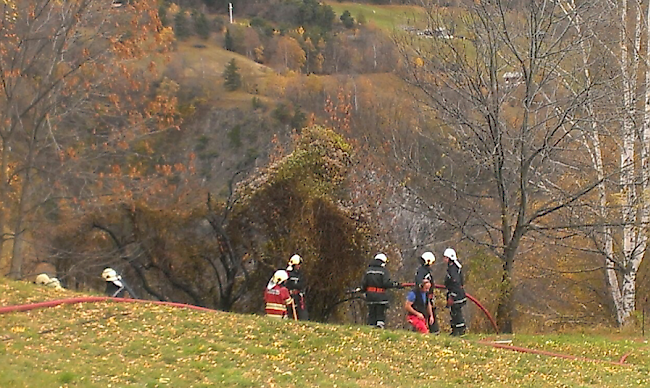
{"points": [[418, 307]]}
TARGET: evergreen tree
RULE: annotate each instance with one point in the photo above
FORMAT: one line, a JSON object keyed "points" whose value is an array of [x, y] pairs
{"points": [[231, 76], [229, 42], [201, 25], [181, 25], [347, 19], [299, 119], [162, 14]]}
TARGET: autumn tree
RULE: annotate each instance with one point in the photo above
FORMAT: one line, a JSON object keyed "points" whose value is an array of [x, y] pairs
{"points": [[510, 177], [288, 54], [70, 89], [617, 143]]}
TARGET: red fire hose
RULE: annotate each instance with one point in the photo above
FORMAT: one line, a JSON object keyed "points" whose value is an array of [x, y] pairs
{"points": [[91, 299], [95, 299], [476, 302]]}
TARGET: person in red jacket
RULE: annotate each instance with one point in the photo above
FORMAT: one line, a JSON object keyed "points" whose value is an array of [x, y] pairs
{"points": [[277, 297]]}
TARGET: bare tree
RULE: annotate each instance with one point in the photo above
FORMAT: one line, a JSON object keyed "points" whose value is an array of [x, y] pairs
{"points": [[67, 87], [507, 93], [622, 124]]}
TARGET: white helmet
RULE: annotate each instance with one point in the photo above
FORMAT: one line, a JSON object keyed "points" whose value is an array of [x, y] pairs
{"points": [[110, 275], [295, 260], [450, 253], [428, 258], [42, 279], [381, 257], [280, 276]]}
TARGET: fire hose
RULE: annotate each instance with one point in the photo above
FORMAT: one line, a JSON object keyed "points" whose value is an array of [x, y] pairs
{"points": [[470, 297], [92, 299], [96, 299]]}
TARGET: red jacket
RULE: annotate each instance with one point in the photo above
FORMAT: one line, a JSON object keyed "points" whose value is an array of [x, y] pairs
{"points": [[277, 299]]}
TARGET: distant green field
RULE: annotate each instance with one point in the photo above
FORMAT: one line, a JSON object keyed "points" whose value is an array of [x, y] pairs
{"points": [[145, 345], [386, 16]]}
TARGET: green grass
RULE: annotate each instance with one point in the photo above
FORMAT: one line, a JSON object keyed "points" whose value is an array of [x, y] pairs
{"points": [[122, 345], [387, 17]]}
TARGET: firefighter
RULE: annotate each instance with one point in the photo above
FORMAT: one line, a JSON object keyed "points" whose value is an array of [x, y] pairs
{"points": [[114, 286], [418, 306], [277, 297], [456, 297], [375, 282], [44, 280], [297, 285], [424, 272]]}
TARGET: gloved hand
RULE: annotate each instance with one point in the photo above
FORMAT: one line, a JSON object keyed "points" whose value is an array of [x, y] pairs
{"points": [[450, 301], [358, 289]]}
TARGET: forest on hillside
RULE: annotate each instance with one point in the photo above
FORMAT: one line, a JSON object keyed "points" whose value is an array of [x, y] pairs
{"points": [[196, 155]]}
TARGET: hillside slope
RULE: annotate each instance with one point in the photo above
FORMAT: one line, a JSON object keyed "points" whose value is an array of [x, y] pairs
{"points": [[123, 344]]}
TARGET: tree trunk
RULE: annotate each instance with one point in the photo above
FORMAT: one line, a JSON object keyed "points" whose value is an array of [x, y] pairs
{"points": [[506, 305], [17, 256], [3, 198]]}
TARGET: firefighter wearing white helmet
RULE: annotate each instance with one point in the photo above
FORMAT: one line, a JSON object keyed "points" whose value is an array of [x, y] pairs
{"points": [[276, 296], [456, 298], [114, 286], [376, 280], [422, 274], [44, 280], [297, 285]]}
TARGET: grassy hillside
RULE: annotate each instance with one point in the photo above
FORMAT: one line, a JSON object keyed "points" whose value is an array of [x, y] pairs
{"points": [[384, 16], [120, 345]]}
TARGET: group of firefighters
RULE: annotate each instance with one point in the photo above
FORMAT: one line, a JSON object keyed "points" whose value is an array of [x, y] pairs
{"points": [[115, 285], [284, 296]]}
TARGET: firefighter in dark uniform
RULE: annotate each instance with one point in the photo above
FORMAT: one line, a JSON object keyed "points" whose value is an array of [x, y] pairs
{"points": [[297, 285], [375, 282], [424, 273], [456, 297], [116, 287]]}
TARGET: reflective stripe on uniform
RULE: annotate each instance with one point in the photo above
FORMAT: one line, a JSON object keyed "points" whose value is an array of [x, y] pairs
{"points": [[276, 306]]}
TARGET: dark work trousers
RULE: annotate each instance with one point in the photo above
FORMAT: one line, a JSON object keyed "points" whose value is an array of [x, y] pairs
{"points": [[301, 307], [434, 328], [377, 314], [457, 321]]}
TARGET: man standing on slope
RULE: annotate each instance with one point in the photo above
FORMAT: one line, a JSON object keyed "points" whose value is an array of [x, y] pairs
{"points": [[276, 296], [296, 285], [456, 298], [375, 282], [424, 273]]}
